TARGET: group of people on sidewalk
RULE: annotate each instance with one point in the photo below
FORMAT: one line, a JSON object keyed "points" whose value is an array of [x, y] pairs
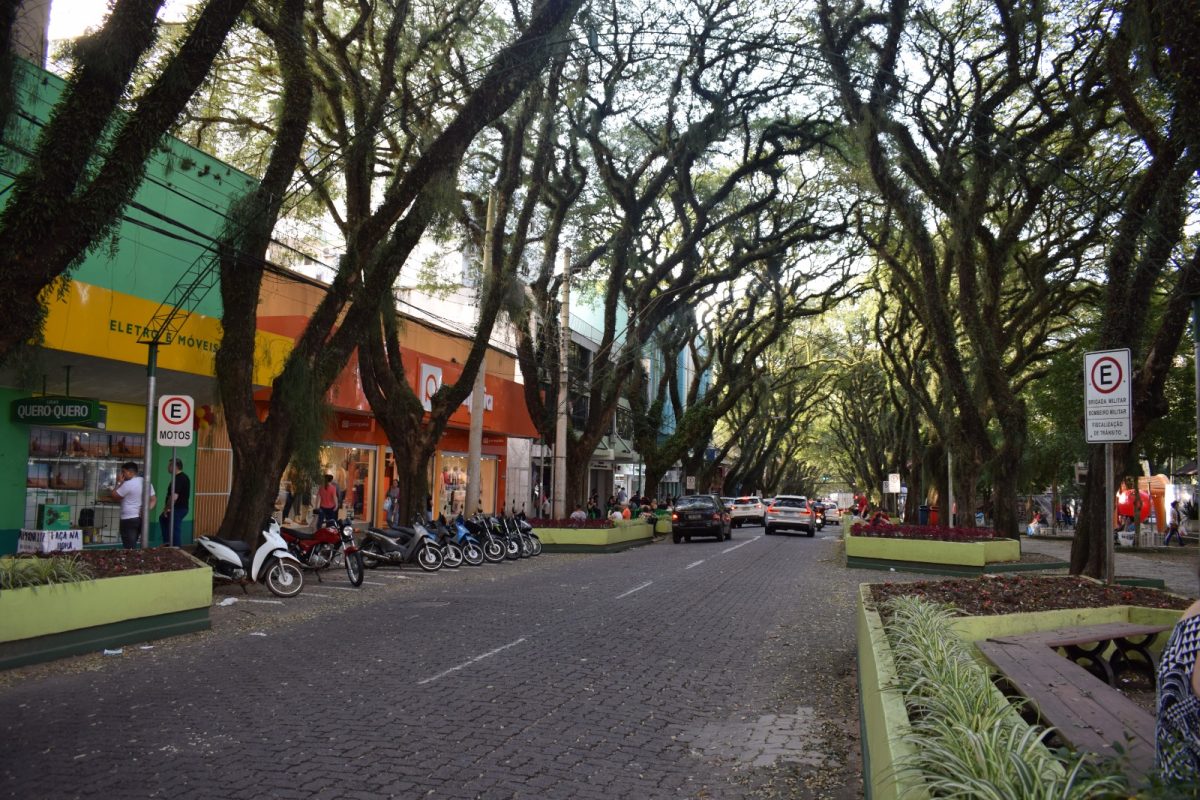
{"points": [[128, 492]]}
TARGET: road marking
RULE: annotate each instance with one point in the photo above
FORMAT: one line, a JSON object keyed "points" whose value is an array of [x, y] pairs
{"points": [[634, 589], [694, 564], [348, 588], [265, 602], [736, 546], [316, 594], [474, 660]]}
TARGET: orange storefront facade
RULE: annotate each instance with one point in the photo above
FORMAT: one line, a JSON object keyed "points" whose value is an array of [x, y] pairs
{"points": [[356, 450]]}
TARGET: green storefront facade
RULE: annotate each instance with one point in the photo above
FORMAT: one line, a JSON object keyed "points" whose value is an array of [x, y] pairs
{"points": [[91, 354]]}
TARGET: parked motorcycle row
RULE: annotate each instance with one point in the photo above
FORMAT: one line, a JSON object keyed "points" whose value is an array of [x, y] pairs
{"points": [[441, 544], [283, 554]]}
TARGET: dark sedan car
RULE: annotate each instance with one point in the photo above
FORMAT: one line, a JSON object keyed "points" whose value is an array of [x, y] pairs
{"points": [[700, 515]]}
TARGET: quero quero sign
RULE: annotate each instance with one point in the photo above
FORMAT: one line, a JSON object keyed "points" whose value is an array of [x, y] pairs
{"points": [[56, 411]]}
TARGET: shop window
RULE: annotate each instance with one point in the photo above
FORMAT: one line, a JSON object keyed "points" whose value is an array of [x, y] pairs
{"points": [[69, 470], [352, 468], [450, 485]]}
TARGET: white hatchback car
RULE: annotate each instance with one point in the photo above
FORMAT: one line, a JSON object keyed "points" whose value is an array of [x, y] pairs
{"points": [[748, 511]]}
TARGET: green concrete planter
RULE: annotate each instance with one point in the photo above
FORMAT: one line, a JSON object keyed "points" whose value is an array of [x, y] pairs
{"points": [[943, 558], [626, 534], [46, 622], [883, 717]]}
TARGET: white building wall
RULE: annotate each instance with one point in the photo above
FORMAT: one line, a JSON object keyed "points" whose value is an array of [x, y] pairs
{"points": [[519, 475]]}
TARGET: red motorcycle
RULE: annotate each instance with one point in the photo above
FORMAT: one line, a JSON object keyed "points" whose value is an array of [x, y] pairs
{"points": [[329, 545]]}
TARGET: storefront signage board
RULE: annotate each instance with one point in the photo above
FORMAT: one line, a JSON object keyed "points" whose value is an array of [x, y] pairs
{"points": [[56, 410]]}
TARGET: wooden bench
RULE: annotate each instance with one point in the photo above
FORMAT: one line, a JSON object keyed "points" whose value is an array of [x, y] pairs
{"points": [[1075, 694]]}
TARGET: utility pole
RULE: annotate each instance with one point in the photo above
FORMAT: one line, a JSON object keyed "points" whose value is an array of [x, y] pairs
{"points": [[560, 435], [478, 404]]}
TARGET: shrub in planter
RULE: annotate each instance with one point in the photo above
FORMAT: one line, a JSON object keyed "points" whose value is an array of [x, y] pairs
{"points": [[26, 571], [966, 740], [923, 532]]}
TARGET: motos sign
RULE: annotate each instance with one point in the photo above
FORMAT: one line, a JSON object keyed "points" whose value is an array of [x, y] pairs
{"points": [[176, 415]]}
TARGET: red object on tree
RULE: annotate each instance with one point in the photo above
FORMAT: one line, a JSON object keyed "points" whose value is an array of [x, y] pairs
{"points": [[1125, 504]]}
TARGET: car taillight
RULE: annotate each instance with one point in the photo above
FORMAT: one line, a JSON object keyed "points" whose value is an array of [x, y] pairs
{"points": [[772, 509], [674, 517], [717, 517]]}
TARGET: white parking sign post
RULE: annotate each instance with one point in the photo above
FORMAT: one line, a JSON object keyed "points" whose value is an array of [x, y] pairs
{"points": [[1108, 414], [175, 423]]}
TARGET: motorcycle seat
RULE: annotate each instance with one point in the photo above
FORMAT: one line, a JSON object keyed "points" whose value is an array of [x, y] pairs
{"points": [[298, 533], [393, 533], [236, 545]]}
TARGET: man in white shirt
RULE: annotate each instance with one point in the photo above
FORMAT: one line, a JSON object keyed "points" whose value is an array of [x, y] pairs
{"points": [[129, 492]]}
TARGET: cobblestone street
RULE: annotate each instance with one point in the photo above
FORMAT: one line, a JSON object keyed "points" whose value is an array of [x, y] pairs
{"points": [[693, 670]]}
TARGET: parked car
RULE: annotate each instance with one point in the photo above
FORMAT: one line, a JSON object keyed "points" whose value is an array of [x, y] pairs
{"points": [[790, 512], [700, 515], [747, 511], [833, 514]]}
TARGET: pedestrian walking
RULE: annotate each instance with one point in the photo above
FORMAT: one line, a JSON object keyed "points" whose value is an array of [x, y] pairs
{"points": [[327, 502], [128, 492], [1177, 526], [179, 489]]}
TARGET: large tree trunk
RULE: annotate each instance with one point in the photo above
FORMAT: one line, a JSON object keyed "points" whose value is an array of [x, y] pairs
{"points": [[1005, 469], [1088, 548]]}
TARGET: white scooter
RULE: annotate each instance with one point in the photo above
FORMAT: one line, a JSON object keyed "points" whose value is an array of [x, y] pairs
{"points": [[271, 563]]}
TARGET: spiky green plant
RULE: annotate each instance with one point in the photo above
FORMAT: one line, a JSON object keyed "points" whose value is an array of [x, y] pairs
{"points": [[23, 571], [967, 740]]}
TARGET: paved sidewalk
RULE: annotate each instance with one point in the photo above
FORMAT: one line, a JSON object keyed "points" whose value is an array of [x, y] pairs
{"points": [[1176, 566]]}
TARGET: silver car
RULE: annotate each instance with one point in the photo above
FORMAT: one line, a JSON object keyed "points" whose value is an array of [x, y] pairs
{"points": [[790, 512]]}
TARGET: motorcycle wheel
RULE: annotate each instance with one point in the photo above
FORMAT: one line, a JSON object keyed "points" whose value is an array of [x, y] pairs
{"points": [[513, 550], [430, 558], [354, 567], [537, 544], [472, 554], [452, 556], [284, 578], [525, 550], [493, 551]]}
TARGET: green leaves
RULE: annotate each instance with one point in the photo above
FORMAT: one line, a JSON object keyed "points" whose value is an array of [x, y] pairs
{"points": [[21, 572], [967, 737]]}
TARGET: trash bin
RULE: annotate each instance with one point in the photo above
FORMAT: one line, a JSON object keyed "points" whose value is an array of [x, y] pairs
{"points": [[933, 515], [923, 515]]}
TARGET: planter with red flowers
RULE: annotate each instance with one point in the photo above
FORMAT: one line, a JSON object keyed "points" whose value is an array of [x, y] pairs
{"points": [[929, 548], [591, 536]]}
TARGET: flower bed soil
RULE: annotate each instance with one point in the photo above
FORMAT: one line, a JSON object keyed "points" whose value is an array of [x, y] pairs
{"points": [[933, 533], [115, 563], [1016, 594], [587, 524]]}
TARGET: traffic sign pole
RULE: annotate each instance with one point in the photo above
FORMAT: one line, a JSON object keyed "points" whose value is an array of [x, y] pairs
{"points": [[151, 406], [1108, 412], [1110, 556]]}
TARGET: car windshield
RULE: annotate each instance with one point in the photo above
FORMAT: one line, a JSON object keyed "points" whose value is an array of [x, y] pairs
{"points": [[790, 502], [694, 502]]}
